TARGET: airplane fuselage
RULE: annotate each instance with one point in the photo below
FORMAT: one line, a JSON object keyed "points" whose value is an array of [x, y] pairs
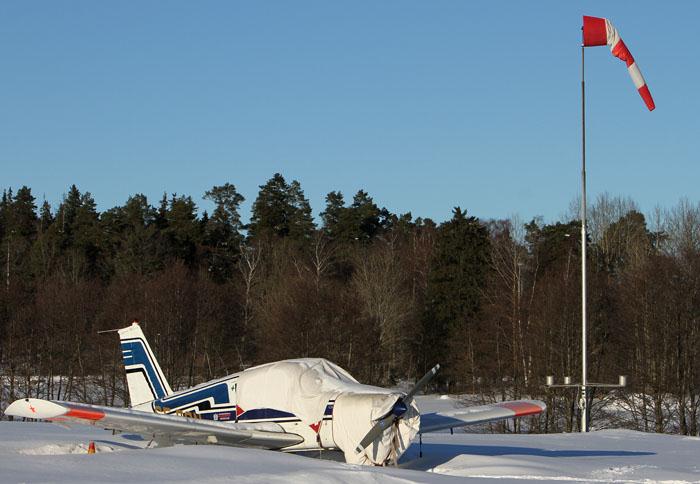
{"points": [[218, 400]]}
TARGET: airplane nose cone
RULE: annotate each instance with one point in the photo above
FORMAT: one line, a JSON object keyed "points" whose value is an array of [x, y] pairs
{"points": [[354, 414], [399, 409]]}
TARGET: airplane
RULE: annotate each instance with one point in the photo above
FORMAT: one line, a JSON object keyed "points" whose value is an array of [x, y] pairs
{"points": [[291, 405]]}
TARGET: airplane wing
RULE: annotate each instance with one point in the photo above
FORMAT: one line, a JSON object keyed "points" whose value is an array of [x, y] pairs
{"points": [[163, 428], [460, 417]]}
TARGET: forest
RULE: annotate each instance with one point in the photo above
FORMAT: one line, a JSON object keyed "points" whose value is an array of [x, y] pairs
{"points": [[386, 296]]}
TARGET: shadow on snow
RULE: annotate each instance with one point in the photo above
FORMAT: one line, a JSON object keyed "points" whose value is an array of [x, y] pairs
{"points": [[435, 454]]}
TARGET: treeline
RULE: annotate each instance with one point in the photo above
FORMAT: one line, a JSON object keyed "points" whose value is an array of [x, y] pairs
{"points": [[384, 295]]}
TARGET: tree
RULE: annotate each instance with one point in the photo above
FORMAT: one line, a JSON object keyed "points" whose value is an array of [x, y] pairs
{"points": [[333, 214], [222, 230], [19, 219], [182, 232], [506, 313], [453, 302], [364, 217], [130, 234], [382, 289], [360, 222], [281, 210]]}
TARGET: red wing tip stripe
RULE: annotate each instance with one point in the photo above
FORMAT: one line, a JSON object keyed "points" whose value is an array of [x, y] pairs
{"points": [[522, 409], [84, 413]]}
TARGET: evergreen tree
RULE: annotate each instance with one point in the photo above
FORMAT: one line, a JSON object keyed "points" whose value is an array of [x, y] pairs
{"points": [[45, 217], [5, 207], [453, 299], [332, 215], [360, 222], [281, 210], [23, 214], [224, 226], [3, 213], [162, 213], [182, 232], [68, 210], [46, 250], [554, 244], [223, 229], [365, 217], [130, 233], [20, 225]]}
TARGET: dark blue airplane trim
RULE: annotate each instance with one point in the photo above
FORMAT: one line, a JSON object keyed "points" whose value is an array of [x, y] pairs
{"points": [[140, 356], [218, 392], [192, 390], [264, 414]]}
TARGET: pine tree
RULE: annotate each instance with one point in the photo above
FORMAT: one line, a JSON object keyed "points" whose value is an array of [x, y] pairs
{"points": [[453, 297], [3, 214], [332, 215], [281, 210], [360, 222], [46, 249], [183, 231], [222, 231], [365, 216], [20, 226], [23, 213], [130, 235], [45, 217], [224, 226]]}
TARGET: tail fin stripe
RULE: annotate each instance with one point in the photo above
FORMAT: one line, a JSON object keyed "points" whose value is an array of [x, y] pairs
{"points": [[139, 355], [144, 376]]}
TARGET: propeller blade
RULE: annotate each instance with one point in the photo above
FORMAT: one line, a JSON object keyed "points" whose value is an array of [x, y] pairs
{"points": [[421, 383], [376, 431], [397, 411]]}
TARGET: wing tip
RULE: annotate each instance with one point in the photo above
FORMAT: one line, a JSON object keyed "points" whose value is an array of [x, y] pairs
{"points": [[523, 408], [35, 408]]}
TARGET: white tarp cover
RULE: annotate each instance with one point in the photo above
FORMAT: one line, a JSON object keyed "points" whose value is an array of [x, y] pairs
{"points": [[304, 387], [354, 415]]}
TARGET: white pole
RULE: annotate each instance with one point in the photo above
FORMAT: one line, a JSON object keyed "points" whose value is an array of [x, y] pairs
{"points": [[584, 363]]}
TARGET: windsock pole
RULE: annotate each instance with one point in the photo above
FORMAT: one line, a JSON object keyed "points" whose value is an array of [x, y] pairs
{"points": [[583, 403]]}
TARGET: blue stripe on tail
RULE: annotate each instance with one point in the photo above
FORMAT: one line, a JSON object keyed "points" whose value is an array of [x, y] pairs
{"points": [[134, 353]]}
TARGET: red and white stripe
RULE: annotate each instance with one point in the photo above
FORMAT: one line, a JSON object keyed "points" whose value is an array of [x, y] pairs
{"points": [[55, 411], [600, 31]]}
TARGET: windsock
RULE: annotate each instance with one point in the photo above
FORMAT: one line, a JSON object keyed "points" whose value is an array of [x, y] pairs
{"points": [[600, 31]]}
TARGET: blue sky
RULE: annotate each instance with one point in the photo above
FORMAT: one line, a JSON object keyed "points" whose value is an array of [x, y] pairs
{"points": [[426, 105]]}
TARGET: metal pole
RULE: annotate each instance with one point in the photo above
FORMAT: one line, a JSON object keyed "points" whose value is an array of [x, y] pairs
{"points": [[584, 362]]}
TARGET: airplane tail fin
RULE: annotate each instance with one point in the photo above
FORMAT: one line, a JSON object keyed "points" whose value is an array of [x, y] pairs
{"points": [[143, 374]]}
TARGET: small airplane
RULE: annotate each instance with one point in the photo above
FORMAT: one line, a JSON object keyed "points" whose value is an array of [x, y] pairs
{"points": [[292, 405]]}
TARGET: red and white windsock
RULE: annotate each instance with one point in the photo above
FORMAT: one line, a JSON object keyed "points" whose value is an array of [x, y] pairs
{"points": [[600, 31]]}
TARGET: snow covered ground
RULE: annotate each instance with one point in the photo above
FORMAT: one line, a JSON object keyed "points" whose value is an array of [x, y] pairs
{"points": [[40, 452]]}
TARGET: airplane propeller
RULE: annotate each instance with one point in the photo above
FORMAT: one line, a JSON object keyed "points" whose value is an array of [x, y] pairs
{"points": [[397, 411]]}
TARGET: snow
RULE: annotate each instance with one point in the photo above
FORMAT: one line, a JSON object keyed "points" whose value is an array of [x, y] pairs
{"points": [[40, 452]]}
